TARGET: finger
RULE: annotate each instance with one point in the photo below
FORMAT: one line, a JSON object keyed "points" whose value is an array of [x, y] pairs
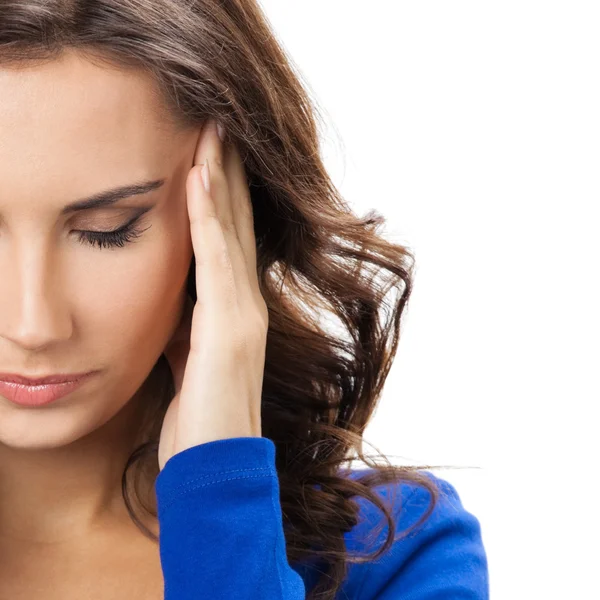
{"points": [[210, 146], [222, 180], [241, 205], [215, 278]]}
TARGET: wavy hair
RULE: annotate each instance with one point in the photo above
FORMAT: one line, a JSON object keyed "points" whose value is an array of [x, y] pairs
{"points": [[220, 59]]}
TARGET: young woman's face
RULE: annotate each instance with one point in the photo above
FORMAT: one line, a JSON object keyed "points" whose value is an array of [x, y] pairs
{"points": [[72, 301]]}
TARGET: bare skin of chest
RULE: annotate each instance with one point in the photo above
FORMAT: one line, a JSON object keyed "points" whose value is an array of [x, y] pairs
{"points": [[125, 568]]}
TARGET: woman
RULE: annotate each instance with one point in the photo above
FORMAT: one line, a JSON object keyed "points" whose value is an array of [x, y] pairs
{"points": [[166, 228]]}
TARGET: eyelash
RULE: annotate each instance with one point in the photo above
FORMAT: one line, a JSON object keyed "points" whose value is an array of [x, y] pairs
{"points": [[112, 239]]}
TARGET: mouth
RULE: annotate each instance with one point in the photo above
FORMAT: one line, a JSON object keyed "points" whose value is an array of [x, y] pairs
{"points": [[40, 395]]}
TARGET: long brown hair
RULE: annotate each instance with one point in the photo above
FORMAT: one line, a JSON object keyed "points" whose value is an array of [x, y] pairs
{"points": [[220, 59]]}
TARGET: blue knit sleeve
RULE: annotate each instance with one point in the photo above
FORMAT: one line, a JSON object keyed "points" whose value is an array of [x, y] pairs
{"points": [[220, 524], [221, 535], [442, 559]]}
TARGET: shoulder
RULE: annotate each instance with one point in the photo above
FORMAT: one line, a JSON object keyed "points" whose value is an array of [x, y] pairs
{"points": [[442, 557]]}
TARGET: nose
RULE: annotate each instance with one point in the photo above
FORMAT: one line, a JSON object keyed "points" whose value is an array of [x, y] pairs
{"points": [[34, 311]]}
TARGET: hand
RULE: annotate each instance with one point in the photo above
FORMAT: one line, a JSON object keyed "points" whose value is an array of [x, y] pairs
{"points": [[217, 353]]}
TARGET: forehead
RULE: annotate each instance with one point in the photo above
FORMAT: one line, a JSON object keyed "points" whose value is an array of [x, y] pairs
{"points": [[72, 117]]}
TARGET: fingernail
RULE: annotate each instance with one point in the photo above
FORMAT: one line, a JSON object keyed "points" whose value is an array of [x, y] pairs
{"points": [[221, 131], [206, 176]]}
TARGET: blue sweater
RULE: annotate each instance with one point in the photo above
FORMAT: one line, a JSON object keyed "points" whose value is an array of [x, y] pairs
{"points": [[221, 535]]}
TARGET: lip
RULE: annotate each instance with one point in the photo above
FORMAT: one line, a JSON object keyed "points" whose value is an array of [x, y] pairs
{"points": [[48, 379], [41, 394]]}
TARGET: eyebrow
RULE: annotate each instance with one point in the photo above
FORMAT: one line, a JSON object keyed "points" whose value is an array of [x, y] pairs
{"points": [[109, 197]]}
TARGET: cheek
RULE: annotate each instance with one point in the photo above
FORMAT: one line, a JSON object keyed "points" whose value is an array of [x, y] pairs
{"points": [[135, 296]]}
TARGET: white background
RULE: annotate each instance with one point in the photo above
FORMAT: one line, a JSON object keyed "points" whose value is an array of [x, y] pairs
{"points": [[474, 128]]}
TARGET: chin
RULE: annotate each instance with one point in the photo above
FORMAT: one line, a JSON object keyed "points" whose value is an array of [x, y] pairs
{"points": [[43, 428]]}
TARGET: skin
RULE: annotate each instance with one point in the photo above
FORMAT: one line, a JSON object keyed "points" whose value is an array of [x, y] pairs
{"points": [[69, 129]]}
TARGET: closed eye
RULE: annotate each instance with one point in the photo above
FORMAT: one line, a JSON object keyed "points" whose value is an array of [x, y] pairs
{"points": [[113, 239]]}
